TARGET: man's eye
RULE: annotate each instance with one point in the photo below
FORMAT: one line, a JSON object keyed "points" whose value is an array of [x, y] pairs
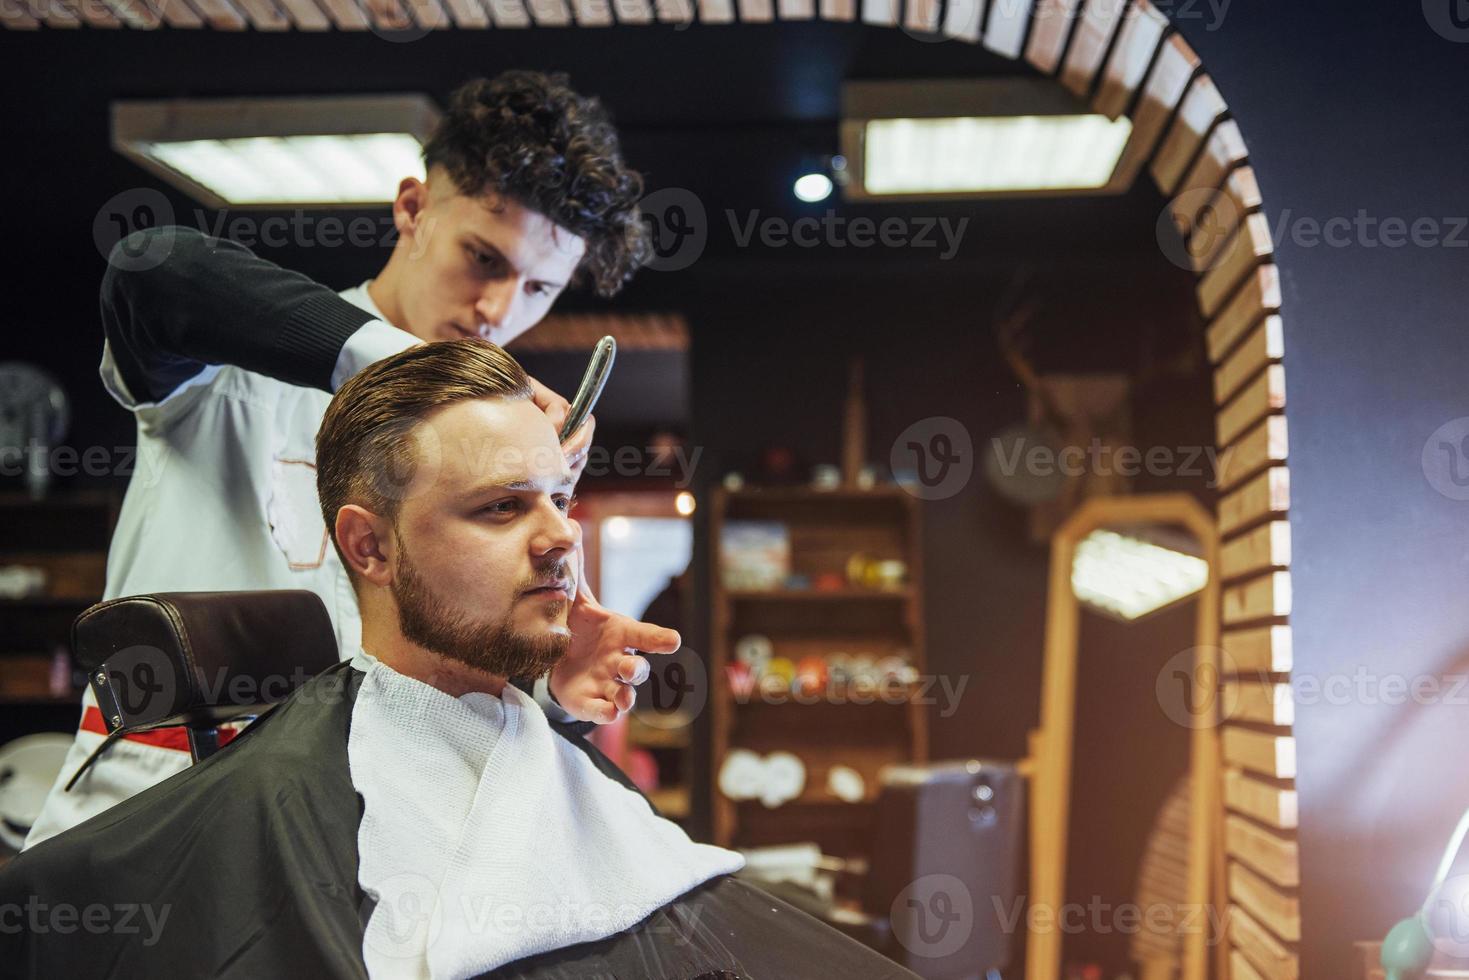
{"points": [[566, 503], [503, 507], [483, 258], [540, 289]]}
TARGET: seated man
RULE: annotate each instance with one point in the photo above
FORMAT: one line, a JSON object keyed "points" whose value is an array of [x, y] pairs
{"points": [[408, 813]]}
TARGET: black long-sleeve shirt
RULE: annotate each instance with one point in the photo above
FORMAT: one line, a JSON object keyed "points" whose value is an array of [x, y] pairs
{"points": [[175, 300]]}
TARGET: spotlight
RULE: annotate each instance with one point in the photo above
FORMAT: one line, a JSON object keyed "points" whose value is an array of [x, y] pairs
{"points": [[684, 503], [813, 187]]}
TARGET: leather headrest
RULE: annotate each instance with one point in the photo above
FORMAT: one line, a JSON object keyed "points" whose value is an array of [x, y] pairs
{"points": [[175, 657]]}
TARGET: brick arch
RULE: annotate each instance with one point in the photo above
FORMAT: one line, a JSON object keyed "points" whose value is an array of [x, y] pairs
{"points": [[1125, 58]]}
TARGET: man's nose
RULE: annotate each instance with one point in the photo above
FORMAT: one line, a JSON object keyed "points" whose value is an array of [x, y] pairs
{"points": [[557, 532], [498, 305]]}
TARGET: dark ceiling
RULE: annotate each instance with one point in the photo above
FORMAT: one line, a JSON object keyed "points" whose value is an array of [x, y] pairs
{"points": [[731, 113]]}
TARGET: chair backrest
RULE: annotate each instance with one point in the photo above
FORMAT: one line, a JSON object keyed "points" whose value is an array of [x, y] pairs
{"points": [[200, 658]]}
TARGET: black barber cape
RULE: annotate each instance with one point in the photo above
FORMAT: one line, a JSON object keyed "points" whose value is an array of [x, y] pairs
{"points": [[245, 866]]}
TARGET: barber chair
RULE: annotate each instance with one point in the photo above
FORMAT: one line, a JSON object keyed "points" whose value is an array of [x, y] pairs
{"points": [[200, 660]]}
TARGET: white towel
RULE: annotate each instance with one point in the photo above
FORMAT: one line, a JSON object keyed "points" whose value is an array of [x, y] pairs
{"points": [[486, 837]]}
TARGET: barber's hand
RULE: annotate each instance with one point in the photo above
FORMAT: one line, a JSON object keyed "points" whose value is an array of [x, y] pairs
{"points": [[594, 681], [556, 409]]}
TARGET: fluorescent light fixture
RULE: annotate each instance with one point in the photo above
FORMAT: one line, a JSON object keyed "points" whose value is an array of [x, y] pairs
{"points": [[813, 187], [1001, 153], [977, 138], [349, 151], [1127, 577]]}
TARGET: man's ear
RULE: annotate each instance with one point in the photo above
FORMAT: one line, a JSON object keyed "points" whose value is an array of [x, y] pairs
{"points": [[366, 544], [409, 206]]}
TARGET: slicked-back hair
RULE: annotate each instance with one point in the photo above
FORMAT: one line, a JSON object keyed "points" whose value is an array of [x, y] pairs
{"points": [[367, 447]]}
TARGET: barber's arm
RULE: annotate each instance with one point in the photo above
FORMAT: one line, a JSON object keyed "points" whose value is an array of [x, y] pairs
{"points": [[175, 301]]}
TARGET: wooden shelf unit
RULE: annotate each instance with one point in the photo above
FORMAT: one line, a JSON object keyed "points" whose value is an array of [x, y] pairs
{"points": [[67, 534], [843, 726]]}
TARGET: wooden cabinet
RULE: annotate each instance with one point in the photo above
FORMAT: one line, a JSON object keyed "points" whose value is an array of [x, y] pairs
{"points": [[825, 615]]}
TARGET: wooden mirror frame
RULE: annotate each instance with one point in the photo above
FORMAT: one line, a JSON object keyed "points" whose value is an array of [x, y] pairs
{"points": [[1049, 765]]}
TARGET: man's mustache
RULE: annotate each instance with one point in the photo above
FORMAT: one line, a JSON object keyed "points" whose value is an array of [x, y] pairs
{"points": [[547, 573]]}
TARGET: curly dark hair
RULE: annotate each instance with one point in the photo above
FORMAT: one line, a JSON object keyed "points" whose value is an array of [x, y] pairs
{"points": [[528, 136]]}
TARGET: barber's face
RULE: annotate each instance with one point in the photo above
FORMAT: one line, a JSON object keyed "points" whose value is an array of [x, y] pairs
{"points": [[479, 266], [483, 569]]}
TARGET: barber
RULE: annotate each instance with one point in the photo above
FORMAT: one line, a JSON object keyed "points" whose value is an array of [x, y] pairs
{"points": [[228, 361]]}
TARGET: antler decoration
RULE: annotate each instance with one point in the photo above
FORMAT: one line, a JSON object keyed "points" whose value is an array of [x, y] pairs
{"points": [[1014, 314]]}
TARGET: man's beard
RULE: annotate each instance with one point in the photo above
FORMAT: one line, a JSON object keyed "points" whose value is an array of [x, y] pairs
{"points": [[495, 647]]}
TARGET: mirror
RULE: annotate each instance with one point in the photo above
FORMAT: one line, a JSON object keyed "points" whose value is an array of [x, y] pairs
{"points": [[1125, 557]]}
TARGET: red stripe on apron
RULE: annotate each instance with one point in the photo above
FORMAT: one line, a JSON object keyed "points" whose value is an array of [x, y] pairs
{"points": [[176, 739]]}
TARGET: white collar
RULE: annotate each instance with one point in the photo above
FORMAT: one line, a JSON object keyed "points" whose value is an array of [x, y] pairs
{"points": [[359, 297]]}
